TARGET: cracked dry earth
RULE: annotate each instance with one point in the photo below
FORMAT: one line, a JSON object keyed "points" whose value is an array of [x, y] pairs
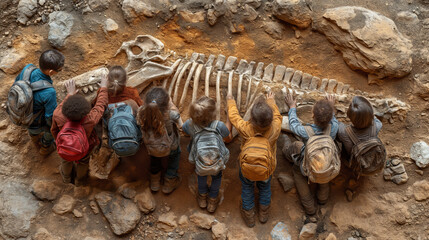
{"points": [[35, 204]]}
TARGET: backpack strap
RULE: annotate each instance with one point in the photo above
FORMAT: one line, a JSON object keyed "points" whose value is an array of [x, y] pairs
{"points": [[40, 85], [27, 73], [352, 135], [309, 130], [213, 125], [373, 130]]}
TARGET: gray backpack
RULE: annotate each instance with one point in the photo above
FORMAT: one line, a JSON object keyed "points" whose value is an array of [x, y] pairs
{"points": [[20, 98], [208, 151]]}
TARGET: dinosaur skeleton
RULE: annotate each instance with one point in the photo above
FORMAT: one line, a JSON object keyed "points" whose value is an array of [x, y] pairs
{"points": [[153, 66]]}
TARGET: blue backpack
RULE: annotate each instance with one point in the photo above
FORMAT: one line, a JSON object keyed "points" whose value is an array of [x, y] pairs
{"points": [[124, 133]]}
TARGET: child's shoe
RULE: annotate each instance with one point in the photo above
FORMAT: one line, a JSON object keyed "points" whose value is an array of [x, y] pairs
{"points": [[155, 182], [202, 200], [263, 213], [212, 204], [45, 151], [36, 140], [170, 184]]}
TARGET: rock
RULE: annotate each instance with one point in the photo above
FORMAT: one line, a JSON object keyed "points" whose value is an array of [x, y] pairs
{"points": [[408, 17], [128, 193], [401, 214], [145, 201], [295, 12], [395, 171], [12, 61], [211, 17], [77, 213], [43, 234], [192, 17], [64, 205], [286, 181], [137, 9], [45, 190], [98, 5], [308, 231], [167, 222], [183, 220], [250, 14], [331, 236], [42, 2], [420, 154], [274, 29], [418, 171], [219, 231], [26, 9], [4, 123], [94, 207], [280, 232], [18, 207], [368, 41], [60, 26], [202, 220], [110, 25], [421, 190], [122, 214]]}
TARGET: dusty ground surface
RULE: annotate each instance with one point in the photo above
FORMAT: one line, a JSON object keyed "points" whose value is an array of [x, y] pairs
{"points": [[373, 213]]}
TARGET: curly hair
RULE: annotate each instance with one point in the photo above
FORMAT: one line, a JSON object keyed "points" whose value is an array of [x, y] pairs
{"points": [[203, 111], [261, 114], [360, 112], [117, 79], [322, 113], [76, 107]]}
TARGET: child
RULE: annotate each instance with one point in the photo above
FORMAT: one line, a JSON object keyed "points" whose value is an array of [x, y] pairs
{"points": [[118, 91], [44, 101], [361, 115], [263, 129], [324, 119], [76, 108], [203, 128], [158, 119]]}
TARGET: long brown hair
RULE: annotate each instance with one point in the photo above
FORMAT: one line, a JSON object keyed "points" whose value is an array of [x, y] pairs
{"points": [[151, 116], [117, 79], [203, 111]]}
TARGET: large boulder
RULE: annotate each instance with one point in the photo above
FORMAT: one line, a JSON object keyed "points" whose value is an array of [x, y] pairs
{"points": [[137, 9], [368, 41], [18, 207], [26, 9], [60, 26], [11, 60], [295, 12], [122, 214]]}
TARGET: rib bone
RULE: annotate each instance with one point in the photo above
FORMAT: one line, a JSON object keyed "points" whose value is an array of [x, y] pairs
{"points": [[196, 81]]}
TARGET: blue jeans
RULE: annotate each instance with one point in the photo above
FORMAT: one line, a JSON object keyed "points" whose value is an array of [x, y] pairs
{"points": [[248, 193], [213, 190], [172, 163]]}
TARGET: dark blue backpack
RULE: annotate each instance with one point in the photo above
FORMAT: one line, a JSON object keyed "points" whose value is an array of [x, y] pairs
{"points": [[124, 133]]}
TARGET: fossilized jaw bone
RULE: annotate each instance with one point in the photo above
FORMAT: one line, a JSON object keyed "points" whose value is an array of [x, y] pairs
{"points": [[151, 50], [86, 83]]}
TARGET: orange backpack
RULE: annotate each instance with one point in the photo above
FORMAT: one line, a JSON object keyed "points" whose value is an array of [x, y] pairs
{"points": [[256, 159]]}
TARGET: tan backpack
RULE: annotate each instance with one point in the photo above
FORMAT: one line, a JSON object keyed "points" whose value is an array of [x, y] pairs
{"points": [[321, 161], [256, 159]]}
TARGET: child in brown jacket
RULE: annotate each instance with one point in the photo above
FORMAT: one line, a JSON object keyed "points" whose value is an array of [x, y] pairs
{"points": [[76, 108]]}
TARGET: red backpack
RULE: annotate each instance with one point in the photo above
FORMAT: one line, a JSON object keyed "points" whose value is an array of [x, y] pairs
{"points": [[72, 142]]}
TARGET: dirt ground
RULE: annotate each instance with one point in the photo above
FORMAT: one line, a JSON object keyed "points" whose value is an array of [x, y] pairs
{"points": [[372, 213]]}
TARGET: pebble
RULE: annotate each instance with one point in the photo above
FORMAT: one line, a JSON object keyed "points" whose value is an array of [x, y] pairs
{"points": [[420, 172]]}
